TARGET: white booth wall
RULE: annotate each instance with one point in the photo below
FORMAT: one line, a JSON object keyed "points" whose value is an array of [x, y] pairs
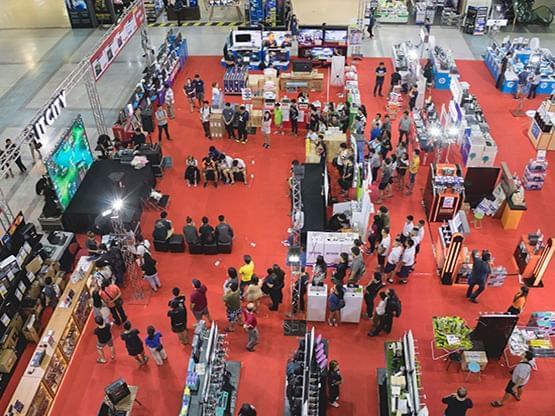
{"points": [[33, 14]]}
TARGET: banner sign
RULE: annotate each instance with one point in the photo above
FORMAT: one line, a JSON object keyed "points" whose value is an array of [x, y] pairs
{"points": [[50, 115], [121, 34]]}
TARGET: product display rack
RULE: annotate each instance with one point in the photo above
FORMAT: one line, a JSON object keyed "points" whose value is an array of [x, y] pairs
{"points": [[444, 192], [212, 382], [475, 22], [444, 67], [534, 174], [153, 10], [235, 79], [542, 130]]}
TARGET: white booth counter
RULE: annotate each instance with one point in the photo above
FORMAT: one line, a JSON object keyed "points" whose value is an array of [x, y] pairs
{"points": [[317, 302], [353, 304]]}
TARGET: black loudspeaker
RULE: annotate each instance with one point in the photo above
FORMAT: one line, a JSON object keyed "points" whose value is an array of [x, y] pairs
{"points": [[117, 391]]}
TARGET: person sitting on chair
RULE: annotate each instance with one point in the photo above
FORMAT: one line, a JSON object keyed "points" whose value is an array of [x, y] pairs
{"points": [[192, 172], [224, 232], [239, 170], [163, 228], [209, 171], [207, 235], [224, 169], [190, 232]]}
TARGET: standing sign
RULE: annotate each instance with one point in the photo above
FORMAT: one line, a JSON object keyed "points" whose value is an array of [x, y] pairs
{"points": [[111, 47]]}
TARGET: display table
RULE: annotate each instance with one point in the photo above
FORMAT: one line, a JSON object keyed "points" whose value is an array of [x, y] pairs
{"points": [[301, 81], [444, 192], [451, 333], [328, 244], [311, 155], [353, 304], [59, 250], [544, 320], [444, 67], [512, 214], [529, 257], [317, 302], [479, 357], [38, 386], [531, 338], [542, 131]]}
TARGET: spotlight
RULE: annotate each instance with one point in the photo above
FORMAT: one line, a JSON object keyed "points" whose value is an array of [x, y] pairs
{"points": [[117, 205], [294, 256], [413, 54]]}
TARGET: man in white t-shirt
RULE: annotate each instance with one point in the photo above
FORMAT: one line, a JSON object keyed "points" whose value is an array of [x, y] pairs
{"points": [[393, 258], [407, 261], [407, 228], [420, 234], [383, 248], [520, 377], [239, 170], [169, 100]]}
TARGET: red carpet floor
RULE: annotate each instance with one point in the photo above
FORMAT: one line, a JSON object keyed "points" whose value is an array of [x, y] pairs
{"points": [[258, 213]]}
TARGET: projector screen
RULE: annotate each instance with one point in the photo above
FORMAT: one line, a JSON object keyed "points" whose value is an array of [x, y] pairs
{"points": [[69, 162]]}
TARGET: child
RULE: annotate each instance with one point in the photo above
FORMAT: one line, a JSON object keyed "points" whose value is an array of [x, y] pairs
{"points": [[103, 332], [134, 344], [383, 248], [392, 260], [266, 129], [420, 234], [150, 272], [278, 119], [407, 228], [378, 318], [156, 348]]}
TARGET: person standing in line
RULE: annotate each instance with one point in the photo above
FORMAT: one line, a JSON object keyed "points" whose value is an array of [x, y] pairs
{"points": [[111, 295], [294, 117], [413, 95], [381, 70], [383, 248], [250, 324], [150, 272], [247, 409], [334, 381], [381, 220], [199, 302], [178, 317], [198, 83], [266, 129], [246, 271], [371, 24], [341, 269], [357, 266], [205, 119], [519, 301], [405, 124], [154, 344], [278, 119], [242, 121], [190, 93], [15, 155], [103, 332], [419, 237], [402, 167], [336, 302], [384, 187], [99, 308], [479, 275], [180, 299], [392, 309], [133, 343], [378, 319], [228, 114], [232, 302], [414, 166], [407, 261], [375, 163], [408, 226], [169, 100], [535, 81], [254, 293], [457, 403], [521, 377], [393, 259], [371, 291], [162, 120]]}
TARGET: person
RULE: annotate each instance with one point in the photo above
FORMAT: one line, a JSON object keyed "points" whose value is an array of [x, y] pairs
{"points": [[198, 83], [99, 307], [223, 164], [275, 282], [224, 232], [178, 318], [205, 119], [336, 302], [341, 269], [133, 343], [393, 259], [385, 182], [392, 309], [104, 145], [407, 261], [199, 302], [523, 77], [228, 114], [371, 291], [375, 162], [103, 332], [408, 226], [395, 79], [111, 295], [378, 318], [501, 77], [381, 219], [162, 120], [383, 247], [534, 83], [190, 232], [163, 228], [381, 70], [207, 233], [231, 277], [246, 271], [216, 95], [150, 272], [519, 301], [266, 129], [239, 170], [520, 377], [242, 121], [169, 100], [154, 344], [250, 324], [428, 73], [302, 285], [232, 302], [405, 124], [278, 118], [138, 138], [337, 222], [209, 171], [294, 117], [402, 167], [414, 166], [254, 292], [413, 95], [371, 24], [479, 274], [247, 409], [457, 403], [334, 381], [192, 172], [357, 266], [346, 179], [180, 299], [15, 155], [190, 93], [178, 8], [319, 271]]}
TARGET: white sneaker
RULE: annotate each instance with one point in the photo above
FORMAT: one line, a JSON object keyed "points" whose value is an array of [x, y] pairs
{"points": [[334, 404]]}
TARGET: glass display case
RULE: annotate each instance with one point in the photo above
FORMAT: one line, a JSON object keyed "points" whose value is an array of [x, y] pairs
{"points": [[55, 372], [41, 402], [82, 309], [69, 339]]}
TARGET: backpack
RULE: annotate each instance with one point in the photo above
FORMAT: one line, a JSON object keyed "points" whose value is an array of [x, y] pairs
{"points": [[341, 303], [396, 304]]}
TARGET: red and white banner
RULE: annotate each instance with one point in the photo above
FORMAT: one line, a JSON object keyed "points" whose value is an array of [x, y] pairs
{"points": [[121, 34]]}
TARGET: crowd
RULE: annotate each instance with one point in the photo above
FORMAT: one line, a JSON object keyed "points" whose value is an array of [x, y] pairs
{"points": [[216, 167]]}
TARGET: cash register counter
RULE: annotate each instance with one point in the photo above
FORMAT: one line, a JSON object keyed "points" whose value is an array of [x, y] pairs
{"points": [[39, 385], [301, 81]]}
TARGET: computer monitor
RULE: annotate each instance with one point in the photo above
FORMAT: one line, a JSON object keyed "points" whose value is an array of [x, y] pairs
{"points": [[302, 66], [336, 35], [310, 36]]}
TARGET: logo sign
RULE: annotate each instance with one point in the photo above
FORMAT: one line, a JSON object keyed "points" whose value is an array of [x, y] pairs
{"points": [[50, 115]]}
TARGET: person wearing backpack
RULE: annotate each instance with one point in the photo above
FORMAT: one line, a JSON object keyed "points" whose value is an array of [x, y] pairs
{"points": [[392, 309], [336, 302], [520, 377]]}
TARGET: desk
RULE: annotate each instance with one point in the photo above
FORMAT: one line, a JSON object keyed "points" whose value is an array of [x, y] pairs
{"points": [[301, 81], [60, 252], [126, 405]]}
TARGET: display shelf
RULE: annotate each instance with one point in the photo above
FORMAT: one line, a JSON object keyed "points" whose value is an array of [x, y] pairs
{"points": [[444, 67], [392, 11], [82, 310], [69, 340], [55, 372], [444, 192], [543, 320], [451, 333], [41, 402], [533, 339]]}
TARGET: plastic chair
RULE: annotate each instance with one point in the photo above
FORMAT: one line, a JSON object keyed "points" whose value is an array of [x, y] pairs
{"points": [[454, 357], [473, 368], [477, 221]]}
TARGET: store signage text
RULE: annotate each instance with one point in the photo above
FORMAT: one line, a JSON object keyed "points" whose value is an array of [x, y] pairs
{"points": [[50, 115]]}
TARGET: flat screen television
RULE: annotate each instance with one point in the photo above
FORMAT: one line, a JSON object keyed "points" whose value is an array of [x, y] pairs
{"points": [[321, 53], [302, 66], [276, 39], [310, 36], [69, 162], [243, 39], [336, 35]]}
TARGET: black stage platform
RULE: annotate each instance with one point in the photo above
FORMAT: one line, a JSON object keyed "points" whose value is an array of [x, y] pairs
{"points": [[312, 194], [97, 193]]}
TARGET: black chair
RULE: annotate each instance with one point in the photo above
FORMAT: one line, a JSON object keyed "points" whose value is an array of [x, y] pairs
{"points": [[196, 249], [176, 244], [454, 357], [210, 248], [161, 245], [225, 248]]}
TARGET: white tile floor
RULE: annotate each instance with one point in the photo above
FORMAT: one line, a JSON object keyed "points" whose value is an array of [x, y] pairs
{"points": [[33, 62]]}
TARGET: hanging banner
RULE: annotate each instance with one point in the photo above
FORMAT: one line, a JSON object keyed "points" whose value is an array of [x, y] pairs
{"points": [[112, 46]]}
